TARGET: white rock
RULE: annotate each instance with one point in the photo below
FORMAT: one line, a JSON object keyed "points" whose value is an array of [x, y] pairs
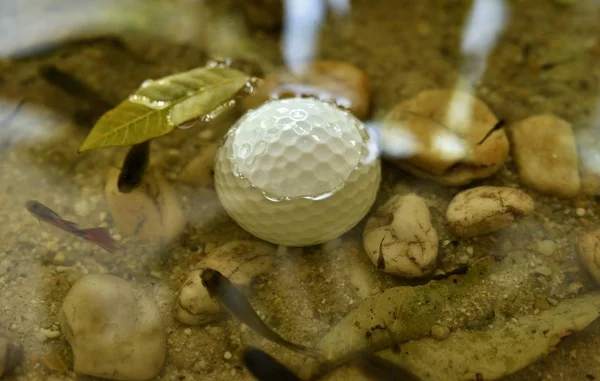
{"points": [[545, 154], [240, 261], [115, 331], [400, 239], [485, 209], [150, 211], [589, 252]]}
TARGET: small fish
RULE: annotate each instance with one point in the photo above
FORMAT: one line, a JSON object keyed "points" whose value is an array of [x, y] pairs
{"points": [[99, 236], [234, 302], [134, 166], [265, 368]]}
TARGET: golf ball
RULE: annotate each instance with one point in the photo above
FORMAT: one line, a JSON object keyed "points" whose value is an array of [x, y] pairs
{"points": [[297, 172]]}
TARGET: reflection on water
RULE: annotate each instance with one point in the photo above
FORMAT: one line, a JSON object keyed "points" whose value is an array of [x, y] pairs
{"points": [[481, 32]]}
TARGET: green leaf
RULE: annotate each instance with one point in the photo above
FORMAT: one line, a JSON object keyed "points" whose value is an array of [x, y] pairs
{"points": [[159, 106]]}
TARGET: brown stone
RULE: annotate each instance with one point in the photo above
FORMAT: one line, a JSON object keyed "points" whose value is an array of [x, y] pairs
{"points": [[449, 152], [545, 155], [331, 81]]}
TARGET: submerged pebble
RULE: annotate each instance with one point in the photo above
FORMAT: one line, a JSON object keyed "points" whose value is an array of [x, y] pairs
{"points": [[486, 209], [451, 152], [589, 252], [330, 81], [545, 154], [240, 261], [114, 330], [546, 247], [150, 211], [400, 238]]}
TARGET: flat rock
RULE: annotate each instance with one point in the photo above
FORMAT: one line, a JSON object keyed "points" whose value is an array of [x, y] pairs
{"points": [[114, 330], [545, 155], [486, 209], [589, 252], [448, 151]]}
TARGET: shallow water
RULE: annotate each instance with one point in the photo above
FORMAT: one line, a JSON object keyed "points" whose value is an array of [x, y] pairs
{"points": [[546, 61]]}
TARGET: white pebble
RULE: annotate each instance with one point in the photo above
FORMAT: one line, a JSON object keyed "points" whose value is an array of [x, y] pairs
{"points": [[227, 355], [545, 154], [485, 209], [49, 333], [59, 258], [440, 332], [82, 208], [580, 212], [546, 247], [543, 270]]}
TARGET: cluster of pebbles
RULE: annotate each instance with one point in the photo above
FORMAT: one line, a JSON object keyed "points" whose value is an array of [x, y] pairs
{"points": [[105, 317]]}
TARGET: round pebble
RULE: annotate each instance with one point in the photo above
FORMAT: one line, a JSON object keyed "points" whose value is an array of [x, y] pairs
{"points": [[59, 258], [440, 332], [545, 155], [486, 209], [546, 247], [227, 355], [103, 317]]}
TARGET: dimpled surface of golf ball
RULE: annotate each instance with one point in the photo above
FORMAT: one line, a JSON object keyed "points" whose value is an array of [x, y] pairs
{"points": [[297, 172]]}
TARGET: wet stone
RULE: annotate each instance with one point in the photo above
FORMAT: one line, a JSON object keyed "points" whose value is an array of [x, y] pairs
{"points": [[331, 81], [545, 154], [390, 235], [589, 252], [451, 151], [486, 209], [114, 330], [546, 247]]}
